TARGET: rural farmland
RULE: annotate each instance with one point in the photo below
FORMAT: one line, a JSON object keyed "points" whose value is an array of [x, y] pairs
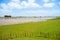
{"points": [[6, 21], [29, 19], [30, 28]]}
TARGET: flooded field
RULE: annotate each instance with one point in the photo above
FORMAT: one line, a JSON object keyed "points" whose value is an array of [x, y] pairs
{"points": [[33, 30], [5, 21]]}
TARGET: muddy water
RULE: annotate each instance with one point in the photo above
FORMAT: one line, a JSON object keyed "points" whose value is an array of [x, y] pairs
{"points": [[6, 21]]}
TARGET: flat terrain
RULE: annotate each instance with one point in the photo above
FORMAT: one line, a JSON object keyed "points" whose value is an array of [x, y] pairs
{"points": [[43, 30], [6, 21]]}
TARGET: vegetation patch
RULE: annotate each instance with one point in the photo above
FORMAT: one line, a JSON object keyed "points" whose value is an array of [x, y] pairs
{"points": [[49, 29]]}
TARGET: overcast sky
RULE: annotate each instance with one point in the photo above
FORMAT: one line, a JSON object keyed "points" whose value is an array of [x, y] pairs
{"points": [[30, 7]]}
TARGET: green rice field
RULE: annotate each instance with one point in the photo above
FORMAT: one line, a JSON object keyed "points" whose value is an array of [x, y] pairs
{"points": [[43, 30]]}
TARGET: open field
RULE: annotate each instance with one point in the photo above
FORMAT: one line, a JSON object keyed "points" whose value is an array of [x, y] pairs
{"points": [[40, 30], [8, 21]]}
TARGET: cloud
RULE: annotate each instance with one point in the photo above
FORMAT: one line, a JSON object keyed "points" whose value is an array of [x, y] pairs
{"points": [[24, 4], [30, 4], [16, 4], [4, 6], [11, 5], [30, 12], [37, 11], [49, 5], [31, 1], [41, 12], [5, 11], [34, 5]]}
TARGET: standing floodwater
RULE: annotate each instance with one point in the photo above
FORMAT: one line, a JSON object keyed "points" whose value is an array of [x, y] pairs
{"points": [[5, 21]]}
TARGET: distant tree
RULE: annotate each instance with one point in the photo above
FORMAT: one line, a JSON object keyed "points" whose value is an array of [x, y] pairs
{"points": [[7, 16]]}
